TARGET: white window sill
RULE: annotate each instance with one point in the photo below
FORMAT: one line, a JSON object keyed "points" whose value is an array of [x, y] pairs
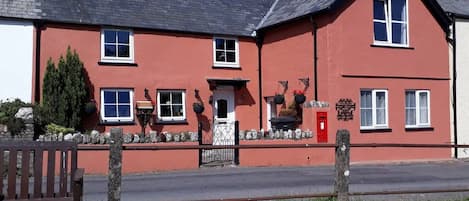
{"points": [[226, 65], [392, 45], [117, 121]]}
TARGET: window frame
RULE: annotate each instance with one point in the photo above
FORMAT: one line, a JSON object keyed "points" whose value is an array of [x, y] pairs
{"points": [[225, 64], [169, 119], [374, 124], [418, 124], [117, 119], [117, 59], [389, 21]]}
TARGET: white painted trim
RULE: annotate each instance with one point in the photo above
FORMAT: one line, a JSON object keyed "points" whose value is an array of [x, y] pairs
{"points": [[181, 118], [375, 125], [117, 119], [388, 21], [118, 59], [418, 124], [225, 64]]}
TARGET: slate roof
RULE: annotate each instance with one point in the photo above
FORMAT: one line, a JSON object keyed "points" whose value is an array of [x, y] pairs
{"points": [[231, 17], [458, 7], [286, 10]]}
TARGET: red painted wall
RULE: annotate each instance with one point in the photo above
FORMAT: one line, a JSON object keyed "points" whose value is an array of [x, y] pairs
{"points": [[165, 61], [344, 49], [184, 61]]}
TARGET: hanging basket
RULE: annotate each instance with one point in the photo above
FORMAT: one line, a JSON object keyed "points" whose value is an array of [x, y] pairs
{"points": [[300, 98], [279, 99], [198, 108], [90, 108]]}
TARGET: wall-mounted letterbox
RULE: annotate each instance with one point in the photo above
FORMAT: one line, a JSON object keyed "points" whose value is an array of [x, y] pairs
{"points": [[321, 126]]}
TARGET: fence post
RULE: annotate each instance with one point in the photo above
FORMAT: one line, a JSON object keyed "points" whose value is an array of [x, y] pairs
{"points": [[236, 136], [115, 165], [342, 165], [199, 137]]}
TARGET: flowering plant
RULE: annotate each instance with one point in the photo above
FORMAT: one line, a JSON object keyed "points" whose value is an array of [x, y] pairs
{"points": [[298, 92]]}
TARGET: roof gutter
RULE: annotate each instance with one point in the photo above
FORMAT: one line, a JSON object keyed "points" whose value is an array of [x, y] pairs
{"points": [[37, 66]]}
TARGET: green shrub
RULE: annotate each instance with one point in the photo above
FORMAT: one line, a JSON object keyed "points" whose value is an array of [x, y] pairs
{"points": [[55, 129], [64, 90], [8, 109]]}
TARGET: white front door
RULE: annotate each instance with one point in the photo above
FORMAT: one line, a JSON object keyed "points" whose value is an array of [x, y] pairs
{"points": [[223, 116]]}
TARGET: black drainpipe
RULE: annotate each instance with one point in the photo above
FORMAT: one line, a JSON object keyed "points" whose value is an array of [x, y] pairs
{"points": [[315, 47], [259, 43], [455, 123], [37, 75]]}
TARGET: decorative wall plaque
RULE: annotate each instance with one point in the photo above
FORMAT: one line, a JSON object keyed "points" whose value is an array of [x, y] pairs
{"points": [[345, 108]]}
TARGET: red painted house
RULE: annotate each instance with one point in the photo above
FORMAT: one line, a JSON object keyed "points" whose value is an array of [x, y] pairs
{"points": [[388, 57]]}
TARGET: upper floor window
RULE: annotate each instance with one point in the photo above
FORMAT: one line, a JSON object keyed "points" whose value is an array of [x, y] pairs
{"points": [[390, 22], [225, 52], [171, 105], [117, 105], [117, 45], [417, 108], [373, 109]]}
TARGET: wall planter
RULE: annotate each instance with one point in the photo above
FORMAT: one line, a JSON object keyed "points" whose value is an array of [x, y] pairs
{"points": [[300, 98], [279, 99], [283, 123], [198, 108]]}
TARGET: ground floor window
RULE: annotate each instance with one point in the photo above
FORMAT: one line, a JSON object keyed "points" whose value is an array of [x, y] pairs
{"points": [[171, 105], [417, 108], [373, 108], [117, 105]]}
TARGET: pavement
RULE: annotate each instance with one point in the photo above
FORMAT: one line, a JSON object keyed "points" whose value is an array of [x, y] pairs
{"points": [[241, 182]]}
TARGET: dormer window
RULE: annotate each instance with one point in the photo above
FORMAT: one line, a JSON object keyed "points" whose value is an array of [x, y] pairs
{"points": [[225, 52], [390, 22], [117, 45]]}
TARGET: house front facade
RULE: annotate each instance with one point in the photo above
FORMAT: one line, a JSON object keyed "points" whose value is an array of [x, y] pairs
{"points": [[365, 66], [459, 13]]}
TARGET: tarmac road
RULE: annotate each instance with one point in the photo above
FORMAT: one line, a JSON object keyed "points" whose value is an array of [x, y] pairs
{"points": [[239, 182]]}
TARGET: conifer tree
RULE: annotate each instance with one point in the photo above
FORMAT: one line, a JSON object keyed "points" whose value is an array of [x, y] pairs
{"points": [[64, 90]]}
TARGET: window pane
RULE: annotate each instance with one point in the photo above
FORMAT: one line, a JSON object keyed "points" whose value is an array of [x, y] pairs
{"points": [[123, 37], [410, 117], [230, 45], [124, 110], [220, 44], [423, 103], [378, 10], [365, 99], [109, 97], [177, 98], [380, 31], [380, 99], [410, 99], [231, 57], [110, 50], [124, 51], [380, 116], [177, 111], [164, 98], [398, 10], [109, 36], [399, 33], [220, 56], [380, 108], [165, 111], [124, 97], [365, 117], [110, 111], [222, 109]]}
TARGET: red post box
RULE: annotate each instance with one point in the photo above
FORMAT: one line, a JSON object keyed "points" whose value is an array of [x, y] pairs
{"points": [[321, 125]]}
